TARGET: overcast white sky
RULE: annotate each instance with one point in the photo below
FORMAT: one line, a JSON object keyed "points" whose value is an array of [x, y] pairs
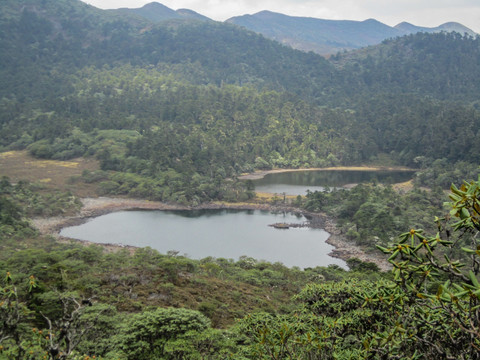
{"points": [[428, 13]]}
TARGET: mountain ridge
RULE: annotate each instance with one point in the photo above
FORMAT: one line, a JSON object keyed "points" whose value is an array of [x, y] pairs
{"points": [[322, 36], [158, 12], [450, 26], [214, 53], [327, 37]]}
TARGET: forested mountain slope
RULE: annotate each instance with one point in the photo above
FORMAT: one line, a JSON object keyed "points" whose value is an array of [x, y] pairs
{"points": [[69, 69], [441, 65], [44, 41], [37, 38]]}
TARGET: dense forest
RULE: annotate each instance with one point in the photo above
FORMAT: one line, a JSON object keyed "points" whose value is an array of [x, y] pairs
{"points": [[175, 112]]}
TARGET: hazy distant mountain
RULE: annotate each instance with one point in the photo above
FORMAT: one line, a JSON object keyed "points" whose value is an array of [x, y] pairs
{"points": [[190, 14], [157, 12], [408, 28], [322, 36], [330, 36], [318, 35]]}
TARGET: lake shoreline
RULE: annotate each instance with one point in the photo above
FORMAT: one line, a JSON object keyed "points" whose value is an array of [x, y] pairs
{"points": [[260, 174], [94, 207]]}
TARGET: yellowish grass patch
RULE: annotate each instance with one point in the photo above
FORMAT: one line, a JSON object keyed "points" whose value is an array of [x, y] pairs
{"points": [[264, 195], [7, 154], [54, 174], [404, 186], [46, 163]]}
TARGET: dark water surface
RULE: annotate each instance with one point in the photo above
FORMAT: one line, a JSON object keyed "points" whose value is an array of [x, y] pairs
{"points": [[298, 182], [218, 233]]}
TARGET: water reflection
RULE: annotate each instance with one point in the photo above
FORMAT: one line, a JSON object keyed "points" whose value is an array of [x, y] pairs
{"points": [[222, 233], [298, 182]]}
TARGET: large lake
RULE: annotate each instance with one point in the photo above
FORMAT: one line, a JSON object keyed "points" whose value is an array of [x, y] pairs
{"points": [[298, 182], [219, 233]]}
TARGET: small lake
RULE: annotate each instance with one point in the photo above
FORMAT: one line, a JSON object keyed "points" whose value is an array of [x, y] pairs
{"points": [[219, 233], [298, 182]]}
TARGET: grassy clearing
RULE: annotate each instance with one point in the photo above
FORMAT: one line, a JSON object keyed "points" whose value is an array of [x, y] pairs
{"points": [[52, 163], [52, 174], [404, 187]]}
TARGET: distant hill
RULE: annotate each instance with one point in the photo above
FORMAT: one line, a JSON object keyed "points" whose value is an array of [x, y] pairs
{"points": [[190, 14], [67, 35], [407, 28], [157, 12], [318, 35], [330, 36], [324, 37], [40, 36]]}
